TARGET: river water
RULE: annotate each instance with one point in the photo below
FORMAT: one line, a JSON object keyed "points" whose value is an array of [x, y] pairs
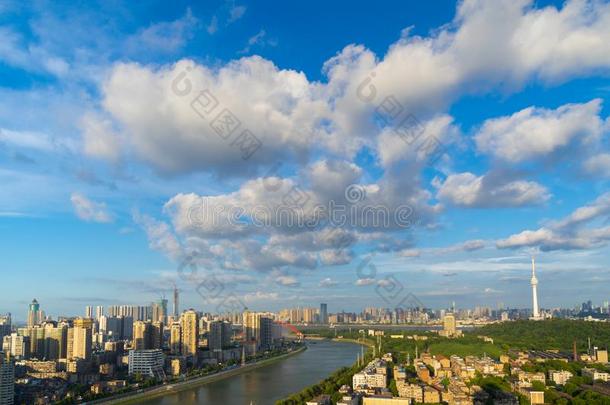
{"points": [[265, 385]]}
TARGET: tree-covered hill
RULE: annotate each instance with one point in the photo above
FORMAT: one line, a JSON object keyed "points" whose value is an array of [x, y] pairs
{"points": [[549, 334]]}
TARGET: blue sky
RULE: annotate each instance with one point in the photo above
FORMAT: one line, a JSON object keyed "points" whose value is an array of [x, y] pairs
{"points": [[104, 159]]}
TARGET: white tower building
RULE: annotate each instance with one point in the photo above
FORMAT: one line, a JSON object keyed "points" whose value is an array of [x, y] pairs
{"points": [[534, 283]]}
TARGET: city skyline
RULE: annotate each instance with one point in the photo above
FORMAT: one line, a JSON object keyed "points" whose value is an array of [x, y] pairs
{"points": [[520, 297], [123, 129]]}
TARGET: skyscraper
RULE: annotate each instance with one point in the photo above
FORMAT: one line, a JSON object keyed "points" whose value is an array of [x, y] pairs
{"points": [[189, 325], [99, 311], [176, 302], [88, 311], [159, 310], [175, 338], [34, 313], [156, 340], [258, 327], [5, 325], [36, 339], [449, 324], [323, 313], [142, 335], [266, 332], [81, 338], [7, 380], [219, 336], [55, 341], [534, 283]]}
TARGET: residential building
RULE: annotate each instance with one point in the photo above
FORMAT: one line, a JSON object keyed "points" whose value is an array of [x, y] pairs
{"points": [[175, 338], [431, 395], [7, 380], [81, 339], [148, 363], [320, 400], [450, 327], [189, 325], [371, 377], [55, 341], [536, 397], [412, 391], [142, 335], [258, 327], [372, 400], [560, 377], [595, 374], [17, 346], [601, 356], [219, 336], [5, 325]]}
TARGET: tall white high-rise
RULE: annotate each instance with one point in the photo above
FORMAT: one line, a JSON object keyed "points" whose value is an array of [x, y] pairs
{"points": [[534, 283], [99, 311]]}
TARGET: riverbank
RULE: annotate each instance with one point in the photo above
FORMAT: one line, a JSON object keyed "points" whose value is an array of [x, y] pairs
{"points": [[359, 342], [166, 389], [331, 384]]}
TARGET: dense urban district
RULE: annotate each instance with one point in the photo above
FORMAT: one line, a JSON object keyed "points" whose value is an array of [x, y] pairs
{"points": [[407, 356], [551, 361]]}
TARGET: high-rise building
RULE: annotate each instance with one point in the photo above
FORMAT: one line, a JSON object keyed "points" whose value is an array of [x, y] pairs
{"points": [[258, 327], [142, 335], [159, 310], [99, 312], [189, 324], [450, 327], [82, 334], [176, 303], [89, 311], [219, 336], [250, 325], [309, 315], [323, 313], [17, 346], [266, 333], [449, 324], [156, 341], [148, 363], [534, 283], [5, 325], [116, 328], [36, 339], [55, 341], [7, 380], [147, 335], [175, 338], [35, 315]]}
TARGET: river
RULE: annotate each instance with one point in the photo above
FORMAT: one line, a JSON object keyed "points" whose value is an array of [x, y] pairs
{"points": [[264, 386]]}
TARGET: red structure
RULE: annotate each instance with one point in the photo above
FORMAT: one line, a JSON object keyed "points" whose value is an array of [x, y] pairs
{"points": [[291, 327]]}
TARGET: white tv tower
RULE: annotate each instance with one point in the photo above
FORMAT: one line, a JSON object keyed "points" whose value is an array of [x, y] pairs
{"points": [[534, 283]]}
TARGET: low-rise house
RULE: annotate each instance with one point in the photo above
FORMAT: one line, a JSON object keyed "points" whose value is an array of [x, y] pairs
{"points": [[412, 391], [560, 377], [431, 395], [385, 401], [320, 400], [595, 374], [373, 376]]}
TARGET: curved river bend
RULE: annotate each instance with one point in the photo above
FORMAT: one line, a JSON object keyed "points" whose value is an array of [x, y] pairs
{"points": [[264, 386]]}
